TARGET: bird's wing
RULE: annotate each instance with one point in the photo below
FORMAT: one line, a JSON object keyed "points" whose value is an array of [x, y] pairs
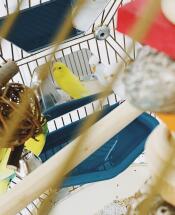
{"points": [[74, 87]]}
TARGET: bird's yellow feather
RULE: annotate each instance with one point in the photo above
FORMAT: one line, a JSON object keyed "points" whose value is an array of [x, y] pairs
{"points": [[68, 82]]}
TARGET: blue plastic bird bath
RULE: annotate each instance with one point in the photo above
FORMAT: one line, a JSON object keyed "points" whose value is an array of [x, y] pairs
{"points": [[112, 158]]}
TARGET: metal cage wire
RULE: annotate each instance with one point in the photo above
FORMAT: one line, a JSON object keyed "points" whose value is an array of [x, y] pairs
{"points": [[112, 50]]}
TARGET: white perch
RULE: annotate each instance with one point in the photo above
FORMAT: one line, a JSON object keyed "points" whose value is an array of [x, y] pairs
{"points": [[158, 149], [41, 179]]}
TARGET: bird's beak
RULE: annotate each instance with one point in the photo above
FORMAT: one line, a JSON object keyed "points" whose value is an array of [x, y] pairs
{"points": [[93, 69]]}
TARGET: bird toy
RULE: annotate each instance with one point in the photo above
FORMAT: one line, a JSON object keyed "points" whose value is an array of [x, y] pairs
{"points": [[100, 71], [29, 134], [31, 125]]}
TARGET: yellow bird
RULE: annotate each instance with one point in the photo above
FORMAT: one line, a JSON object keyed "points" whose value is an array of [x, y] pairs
{"points": [[68, 82]]}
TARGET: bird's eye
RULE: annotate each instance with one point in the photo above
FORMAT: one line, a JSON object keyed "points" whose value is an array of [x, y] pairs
{"points": [[59, 67]]}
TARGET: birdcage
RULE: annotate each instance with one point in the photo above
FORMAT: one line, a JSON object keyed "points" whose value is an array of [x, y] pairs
{"points": [[74, 52], [99, 38]]}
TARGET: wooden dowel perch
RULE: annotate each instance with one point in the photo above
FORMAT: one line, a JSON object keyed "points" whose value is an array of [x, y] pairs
{"points": [[7, 71], [159, 147], [42, 178]]}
